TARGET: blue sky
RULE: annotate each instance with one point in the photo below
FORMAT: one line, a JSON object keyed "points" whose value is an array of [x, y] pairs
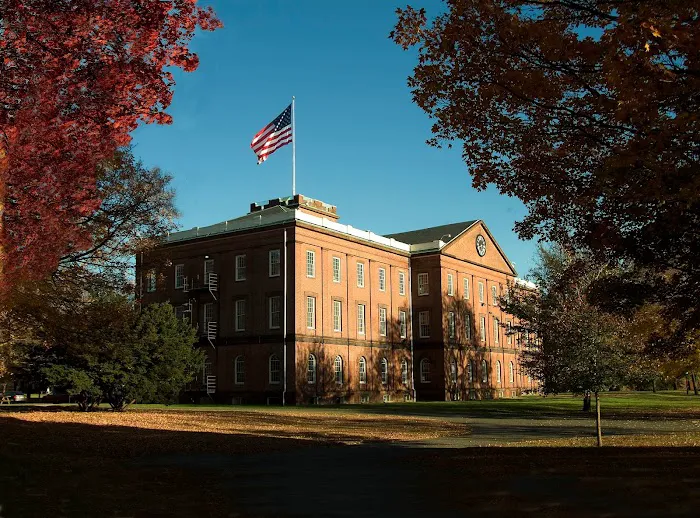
{"points": [[360, 139]]}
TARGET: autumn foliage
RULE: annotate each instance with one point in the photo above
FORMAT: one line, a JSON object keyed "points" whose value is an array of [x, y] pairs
{"points": [[76, 77]]}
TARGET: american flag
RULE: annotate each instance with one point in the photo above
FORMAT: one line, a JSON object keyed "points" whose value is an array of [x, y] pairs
{"points": [[273, 136]]}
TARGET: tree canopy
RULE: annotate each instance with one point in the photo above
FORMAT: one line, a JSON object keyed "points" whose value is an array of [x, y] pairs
{"points": [[586, 110], [76, 77]]}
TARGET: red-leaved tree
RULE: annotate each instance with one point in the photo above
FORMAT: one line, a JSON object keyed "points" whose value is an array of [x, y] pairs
{"points": [[76, 77]]}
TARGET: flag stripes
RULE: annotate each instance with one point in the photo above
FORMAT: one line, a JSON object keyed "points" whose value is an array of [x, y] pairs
{"points": [[276, 134]]}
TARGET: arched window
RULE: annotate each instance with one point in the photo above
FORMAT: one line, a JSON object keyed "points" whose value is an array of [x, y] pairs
{"points": [[484, 372], [311, 369], [453, 371], [363, 370], [425, 370], [385, 371], [404, 372], [239, 370], [338, 368], [498, 371], [470, 371], [511, 373], [275, 368]]}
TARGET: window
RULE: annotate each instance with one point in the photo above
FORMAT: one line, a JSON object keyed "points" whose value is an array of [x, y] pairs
{"points": [[404, 372], [402, 283], [494, 295], [337, 316], [382, 321], [179, 276], [274, 263], [422, 284], [498, 372], [208, 268], [336, 269], [382, 279], [465, 287], [484, 372], [275, 311], [310, 263], [424, 324], [482, 321], [151, 281], [363, 370], [239, 370], [384, 370], [208, 314], [275, 369], [451, 324], [470, 371], [311, 312], [509, 333], [311, 370], [402, 324], [496, 326], [338, 370], [206, 371], [468, 326], [425, 370], [180, 312], [360, 275], [240, 268], [511, 373], [240, 315], [450, 285], [481, 292], [453, 371], [361, 319]]}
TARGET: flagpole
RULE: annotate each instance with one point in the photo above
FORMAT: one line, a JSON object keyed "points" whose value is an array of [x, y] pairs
{"points": [[294, 152]]}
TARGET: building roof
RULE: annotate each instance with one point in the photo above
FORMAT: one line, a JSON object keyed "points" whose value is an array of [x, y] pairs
{"points": [[425, 235]]}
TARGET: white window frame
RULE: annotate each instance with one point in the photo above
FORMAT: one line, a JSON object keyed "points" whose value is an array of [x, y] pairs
{"points": [[310, 264], [275, 307], [451, 324], [402, 283], [509, 332], [336, 269], [465, 287], [382, 279], [404, 372], [241, 267], [310, 312], [361, 313], [453, 371], [450, 285], [276, 360], [482, 331], [403, 324], [484, 371], [468, 326], [360, 274], [384, 370], [481, 292], [382, 321], [423, 284], [470, 371], [425, 368], [424, 324], [179, 276], [498, 372], [239, 370], [274, 263], [208, 314], [240, 315], [496, 329], [311, 369], [338, 370], [362, 370], [208, 268], [337, 316], [511, 373], [494, 295]]}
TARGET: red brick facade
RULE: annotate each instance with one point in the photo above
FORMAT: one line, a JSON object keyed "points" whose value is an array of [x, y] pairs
{"points": [[334, 275]]}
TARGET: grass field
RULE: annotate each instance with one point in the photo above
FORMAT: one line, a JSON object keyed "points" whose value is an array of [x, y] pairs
{"points": [[413, 459]]}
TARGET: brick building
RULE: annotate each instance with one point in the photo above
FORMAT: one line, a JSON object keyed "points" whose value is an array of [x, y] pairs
{"points": [[289, 303]]}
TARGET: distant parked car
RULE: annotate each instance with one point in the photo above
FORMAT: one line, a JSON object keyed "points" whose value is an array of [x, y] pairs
{"points": [[15, 396], [56, 397]]}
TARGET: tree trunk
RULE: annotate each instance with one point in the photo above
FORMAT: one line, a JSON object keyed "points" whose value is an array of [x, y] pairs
{"points": [[695, 385], [587, 402], [653, 385], [599, 433]]}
